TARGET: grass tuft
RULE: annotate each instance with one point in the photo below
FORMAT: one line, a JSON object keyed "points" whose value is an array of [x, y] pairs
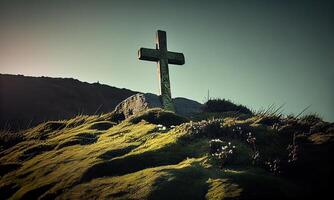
{"points": [[159, 116]]}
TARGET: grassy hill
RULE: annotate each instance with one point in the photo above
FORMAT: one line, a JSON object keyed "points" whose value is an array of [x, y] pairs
{"points": [[159, 155], [26, 101]]}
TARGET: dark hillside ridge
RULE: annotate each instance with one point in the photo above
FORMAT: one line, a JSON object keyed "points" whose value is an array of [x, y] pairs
{"points": [[26, 101]]}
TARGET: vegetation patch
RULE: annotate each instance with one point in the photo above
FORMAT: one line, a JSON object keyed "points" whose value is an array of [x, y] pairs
{"points": [[159, 116], [144, 158], [8, 167], [79, 139], [166, 155], [45, 130], [222, 189], [104, 125], [75, 122], [187, 182], [36, 150], [9, 139], [37, 192], [224, 105], [53, 125], [7, 191], [116, 152]]}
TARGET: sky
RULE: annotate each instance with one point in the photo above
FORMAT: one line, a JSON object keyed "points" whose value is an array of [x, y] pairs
{"points": [[255, 53]]}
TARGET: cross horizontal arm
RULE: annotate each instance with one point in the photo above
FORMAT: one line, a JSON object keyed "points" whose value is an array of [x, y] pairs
{"points": [[175, 58], [148, 54]]}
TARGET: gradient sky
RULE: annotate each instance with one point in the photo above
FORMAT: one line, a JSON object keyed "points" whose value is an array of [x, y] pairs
{"points": [[253, 52]]}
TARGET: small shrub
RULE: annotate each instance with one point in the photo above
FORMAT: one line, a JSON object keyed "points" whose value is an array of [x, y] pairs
{"points": [[205, 128], [223, 151], [215, 129], [117, 117], [311, 119], [293, 150], [291, 127], [223, 105], [159, 116], [270, 120], [255, 155], [274, 166]]}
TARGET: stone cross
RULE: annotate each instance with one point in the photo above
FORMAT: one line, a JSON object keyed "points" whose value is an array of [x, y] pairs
{"points": [[163, 57]]}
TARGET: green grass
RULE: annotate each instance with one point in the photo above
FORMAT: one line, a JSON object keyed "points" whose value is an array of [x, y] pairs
{"points": [[93, 157], [159, 116]]}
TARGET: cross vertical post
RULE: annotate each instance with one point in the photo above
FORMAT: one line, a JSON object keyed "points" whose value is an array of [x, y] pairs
{"points": [[163, 57], [163, 72]]}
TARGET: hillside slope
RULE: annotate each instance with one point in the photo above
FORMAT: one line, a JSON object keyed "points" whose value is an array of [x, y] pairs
{"points": [[28, 100], [147, 157]]}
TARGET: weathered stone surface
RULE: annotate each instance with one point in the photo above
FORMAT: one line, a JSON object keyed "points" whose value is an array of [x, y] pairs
{"points": [[163, 57], [140, 102]]}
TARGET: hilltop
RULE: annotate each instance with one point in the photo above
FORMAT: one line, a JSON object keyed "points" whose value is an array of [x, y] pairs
{"points": [[156, 154]]}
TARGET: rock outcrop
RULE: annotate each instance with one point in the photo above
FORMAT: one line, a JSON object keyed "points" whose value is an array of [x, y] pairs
{"points": [[140, 102]]}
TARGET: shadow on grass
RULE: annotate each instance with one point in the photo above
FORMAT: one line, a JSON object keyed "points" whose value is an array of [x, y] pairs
{"points": [[185, 183], [8, 167], [37, 192], [169, 155], [79, 139], [102, 125], [36, 150], [7, 191], [116, 152]]}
